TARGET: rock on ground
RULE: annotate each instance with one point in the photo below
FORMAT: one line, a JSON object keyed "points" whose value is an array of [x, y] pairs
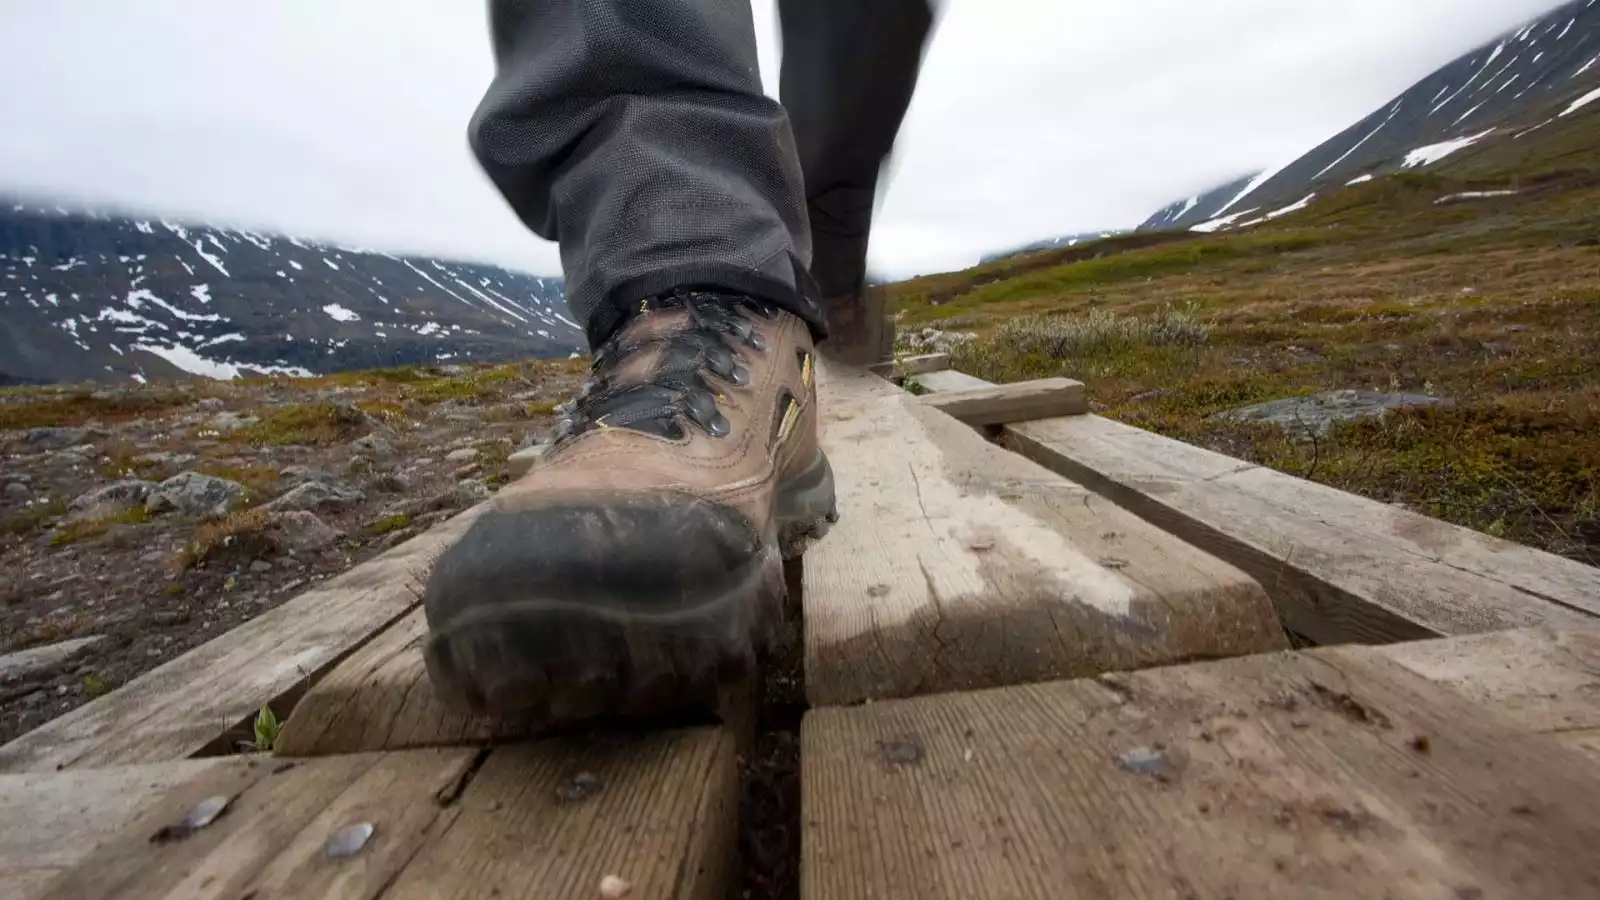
{"points": [[315, 495], [301, 531], [110, 500], [1317, 413], [194, 494], [39, 659]]}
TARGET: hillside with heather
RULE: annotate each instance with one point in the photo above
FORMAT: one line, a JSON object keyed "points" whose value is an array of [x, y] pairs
{"points": [[1426, 338]]}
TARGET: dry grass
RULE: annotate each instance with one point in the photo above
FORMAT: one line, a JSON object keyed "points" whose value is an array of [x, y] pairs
{"points": [[37, 408], [237, 538], [1374, 288], [306, 423], [82, 529]]}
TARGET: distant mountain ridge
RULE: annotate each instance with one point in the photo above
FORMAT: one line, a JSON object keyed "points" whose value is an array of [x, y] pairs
{"points": [[88, 296], [1523, 80], [1070, 240]]}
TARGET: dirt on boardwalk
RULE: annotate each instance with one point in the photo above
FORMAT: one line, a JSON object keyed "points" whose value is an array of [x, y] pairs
{"points": [[138, 522]]}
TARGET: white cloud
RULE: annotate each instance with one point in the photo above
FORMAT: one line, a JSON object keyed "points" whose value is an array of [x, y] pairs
{"points": [[346, 121]]}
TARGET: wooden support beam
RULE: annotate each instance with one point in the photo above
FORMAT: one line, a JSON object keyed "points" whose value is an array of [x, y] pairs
{"points": [[1341, 568], [1336, 773], [911, 365], [1023, 401], [956, 565]]}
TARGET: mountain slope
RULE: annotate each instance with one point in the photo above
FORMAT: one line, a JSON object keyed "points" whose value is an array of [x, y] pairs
{"points": [[1200, 207], [89, 296], [1528, 77]]}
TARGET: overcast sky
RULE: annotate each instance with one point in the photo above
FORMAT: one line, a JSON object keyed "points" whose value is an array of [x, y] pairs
{"points": [[345, 119]]}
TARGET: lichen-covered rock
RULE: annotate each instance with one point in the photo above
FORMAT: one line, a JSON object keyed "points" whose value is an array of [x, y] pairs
{"points": [[110, 500], [314, 495], [1315, 414], [195, 494]]}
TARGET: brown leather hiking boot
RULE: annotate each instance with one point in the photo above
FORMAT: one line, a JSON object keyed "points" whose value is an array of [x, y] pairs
{"points": [[638, 565]]}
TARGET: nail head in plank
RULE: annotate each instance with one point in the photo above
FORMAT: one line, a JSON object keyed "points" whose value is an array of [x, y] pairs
{"points": [[179, 708], [1280, 775], [1342, 568], [957, 565], [1022, 401]]}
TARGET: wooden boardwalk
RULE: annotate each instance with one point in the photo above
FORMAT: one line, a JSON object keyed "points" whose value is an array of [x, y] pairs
{"points": [[1045, 656]]}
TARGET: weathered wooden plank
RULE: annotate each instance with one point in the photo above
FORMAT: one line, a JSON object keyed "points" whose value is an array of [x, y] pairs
{"points": [[543, 820], [911, 365], [1342, 568], [959, 565], [661, 817], [270, 840], [1541, 679], [1022, 401], [382, 699], [1280, 775], [181, 707], [51, 822]]}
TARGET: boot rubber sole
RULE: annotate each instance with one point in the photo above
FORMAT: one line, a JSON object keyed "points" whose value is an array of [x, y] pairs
{"points": [[560, 660]]}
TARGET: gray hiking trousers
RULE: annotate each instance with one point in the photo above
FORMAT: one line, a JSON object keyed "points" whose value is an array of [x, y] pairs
{"points": [[636, 134]]}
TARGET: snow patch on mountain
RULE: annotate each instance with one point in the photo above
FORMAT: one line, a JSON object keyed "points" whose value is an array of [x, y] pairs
{"points": [[1432, 153], [1581, 102], [340, 314]]}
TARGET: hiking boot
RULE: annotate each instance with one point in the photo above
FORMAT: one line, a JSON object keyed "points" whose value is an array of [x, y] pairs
{"points": [[860, 329], [638, 566]]}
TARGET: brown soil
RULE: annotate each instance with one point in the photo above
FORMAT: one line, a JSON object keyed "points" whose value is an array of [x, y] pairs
{"points": [[154, 585]]}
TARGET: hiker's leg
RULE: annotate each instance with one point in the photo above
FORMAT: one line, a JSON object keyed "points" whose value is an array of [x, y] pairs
{"points": [[639, 563], [636, 134], [849, 70]]}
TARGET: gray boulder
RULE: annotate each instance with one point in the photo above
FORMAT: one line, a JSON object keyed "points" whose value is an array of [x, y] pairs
{"points": [[110, 500], [314, 495], [1316, 414], [299, 531], [372, 444], [230, 421], [294, 476], [194, 494], [53, 438]]}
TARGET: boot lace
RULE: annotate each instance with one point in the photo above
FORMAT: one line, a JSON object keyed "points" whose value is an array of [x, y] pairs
{"points": [[680, 389]]}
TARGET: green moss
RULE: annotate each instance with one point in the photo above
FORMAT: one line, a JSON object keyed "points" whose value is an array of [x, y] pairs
{"points": [[306, 423], [72, 532], [388, 524], [95, 686]]}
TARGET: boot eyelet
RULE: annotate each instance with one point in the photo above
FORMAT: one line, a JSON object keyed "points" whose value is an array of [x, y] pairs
{"points": [[719, 426], [738, 376]]}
